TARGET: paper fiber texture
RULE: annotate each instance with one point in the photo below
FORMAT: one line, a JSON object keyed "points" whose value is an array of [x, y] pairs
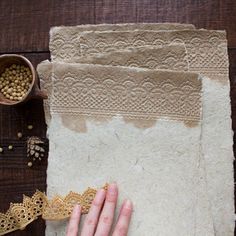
{"points": [[172, 57], [64, 40], [207, 55], [124, 109]]}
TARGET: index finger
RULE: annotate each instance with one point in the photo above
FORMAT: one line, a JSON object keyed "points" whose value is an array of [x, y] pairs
{"points": [[73, 225]]}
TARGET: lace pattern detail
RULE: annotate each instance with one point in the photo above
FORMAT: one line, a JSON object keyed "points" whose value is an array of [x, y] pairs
{"points": [[20, 215], [61, 208], [44, 70], [64, 41], [207, 50], [172, 57], [106, 91]]}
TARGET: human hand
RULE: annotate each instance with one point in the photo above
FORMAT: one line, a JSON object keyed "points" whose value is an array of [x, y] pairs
{"points": [[100, 218]]}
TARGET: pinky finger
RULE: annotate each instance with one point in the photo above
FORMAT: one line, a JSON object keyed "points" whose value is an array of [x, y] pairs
{"points": [[122, 226], [73, 225]]}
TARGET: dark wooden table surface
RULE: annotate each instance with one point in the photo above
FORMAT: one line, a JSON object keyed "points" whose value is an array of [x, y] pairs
{"points": [[24, 29]]}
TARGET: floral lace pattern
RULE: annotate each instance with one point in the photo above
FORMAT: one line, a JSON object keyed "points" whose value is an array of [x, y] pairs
{"points": [[20, 215], [133, 94], [44, 70], [207, 50], [61, 208], [173, 57], [64, 41]]}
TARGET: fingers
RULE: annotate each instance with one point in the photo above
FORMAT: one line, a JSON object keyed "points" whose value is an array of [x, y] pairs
{"points": [[107, 215], [122, 226], [93, 215], [73, 225]]}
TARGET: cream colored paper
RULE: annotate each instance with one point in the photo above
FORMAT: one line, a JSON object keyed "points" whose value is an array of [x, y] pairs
{"points": [[172, 57], [64, 40], [207, 54], [124, 109]]}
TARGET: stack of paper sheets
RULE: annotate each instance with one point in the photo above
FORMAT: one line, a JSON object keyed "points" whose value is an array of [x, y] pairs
{"points": [[147, 106]]}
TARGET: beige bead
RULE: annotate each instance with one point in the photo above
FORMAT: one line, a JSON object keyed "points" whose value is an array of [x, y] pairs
{"points": [[10, 147], [30, 127], [1, 150], [19, 135], [9, 90], [30, 164]]}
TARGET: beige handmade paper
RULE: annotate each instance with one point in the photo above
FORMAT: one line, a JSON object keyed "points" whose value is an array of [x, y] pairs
{"points": [[173, 57], [64, 40], [44, 70], [207, 54], [155, 168]]}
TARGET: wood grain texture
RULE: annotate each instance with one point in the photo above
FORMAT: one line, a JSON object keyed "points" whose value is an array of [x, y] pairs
{"points": [[25, 28], [25, 24]]}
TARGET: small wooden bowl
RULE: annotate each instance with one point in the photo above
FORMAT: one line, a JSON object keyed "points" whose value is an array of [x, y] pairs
{"points": [[34, 92]]}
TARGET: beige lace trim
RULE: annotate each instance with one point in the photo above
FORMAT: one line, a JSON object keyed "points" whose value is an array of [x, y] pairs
{"points": [[107, 91], [44, 70], [20, 215], [173, 57], [64, 41], [207, 50]]}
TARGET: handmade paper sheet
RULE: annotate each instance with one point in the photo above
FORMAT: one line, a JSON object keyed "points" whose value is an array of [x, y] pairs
{"points": [[207, 55], [64, 40], [134, 114]]}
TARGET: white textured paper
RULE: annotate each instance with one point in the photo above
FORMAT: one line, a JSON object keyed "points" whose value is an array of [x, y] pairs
{"points": [[157, 167], [217, 150]]}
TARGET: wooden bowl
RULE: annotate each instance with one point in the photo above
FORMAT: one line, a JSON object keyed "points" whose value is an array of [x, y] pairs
{"points": [[33, 92]]}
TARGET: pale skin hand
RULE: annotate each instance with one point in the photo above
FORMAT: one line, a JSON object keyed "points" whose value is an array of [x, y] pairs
{"points": [[100, 218]]}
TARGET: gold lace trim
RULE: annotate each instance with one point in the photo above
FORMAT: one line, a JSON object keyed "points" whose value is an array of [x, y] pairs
{"points": [[19, 215]]}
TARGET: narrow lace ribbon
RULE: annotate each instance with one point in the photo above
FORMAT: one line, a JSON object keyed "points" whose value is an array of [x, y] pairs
{"points": [[19, 215]]}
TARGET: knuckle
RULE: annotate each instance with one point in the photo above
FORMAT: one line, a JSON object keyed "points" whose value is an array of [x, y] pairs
{"points": [[71, 230], [121, 231], [90, 221], [107, 220], [96, 203], [111, 197], [126, 212]]}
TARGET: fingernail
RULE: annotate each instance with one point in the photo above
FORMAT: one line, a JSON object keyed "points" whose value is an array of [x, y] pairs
{"points": [[112, 187], [100, 194], [77, 207], [128, 204]]}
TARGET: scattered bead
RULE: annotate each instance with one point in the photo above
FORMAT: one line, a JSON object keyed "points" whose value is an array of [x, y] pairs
{"points": [[19, 135], [30, 127], [1, 150], [10, 147], [30, 164]]}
